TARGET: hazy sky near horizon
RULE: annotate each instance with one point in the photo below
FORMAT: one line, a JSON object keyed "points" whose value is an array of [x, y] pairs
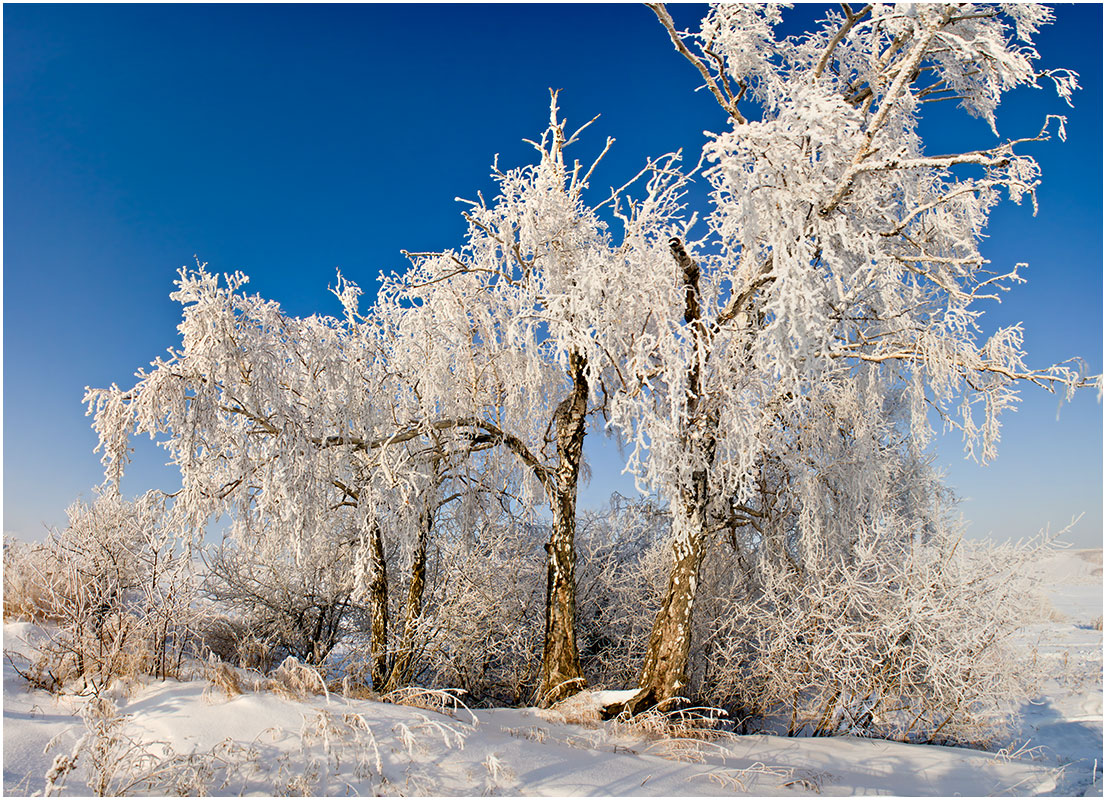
{"points": [[289, 141]]}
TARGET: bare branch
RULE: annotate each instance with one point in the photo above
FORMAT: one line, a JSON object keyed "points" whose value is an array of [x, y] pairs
{"points": [[670, 26]]}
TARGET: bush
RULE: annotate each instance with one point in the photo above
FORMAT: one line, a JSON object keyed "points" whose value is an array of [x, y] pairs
{"points": [[481, 630], [901, 635], [903, 641], [118, 586], [625, 555], [277, 602]]}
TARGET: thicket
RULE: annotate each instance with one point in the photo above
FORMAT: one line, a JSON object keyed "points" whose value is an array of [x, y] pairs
{"points": [[115, 592], [910, 638]]}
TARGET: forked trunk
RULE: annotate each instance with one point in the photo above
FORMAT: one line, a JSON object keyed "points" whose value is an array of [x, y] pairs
{"points": [[561, 675]]}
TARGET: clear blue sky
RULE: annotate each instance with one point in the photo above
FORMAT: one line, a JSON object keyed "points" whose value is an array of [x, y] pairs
{"points": [[288, 141]]}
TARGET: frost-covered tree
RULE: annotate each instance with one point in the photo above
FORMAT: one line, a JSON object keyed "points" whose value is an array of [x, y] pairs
{"points": [[838, 287], [286, 424], [518, 334]]}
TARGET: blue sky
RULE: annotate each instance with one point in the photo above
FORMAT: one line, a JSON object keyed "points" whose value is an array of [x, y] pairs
{"points": [[288, 141]]}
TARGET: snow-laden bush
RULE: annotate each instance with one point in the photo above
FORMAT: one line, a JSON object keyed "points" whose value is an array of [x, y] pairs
{"points": [[274, 601], [481, 631], [624, 559], [907, 640], [899, 633], [117, 585]]}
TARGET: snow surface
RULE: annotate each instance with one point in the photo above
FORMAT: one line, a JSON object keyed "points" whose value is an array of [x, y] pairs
{"points": [[279, 746], [1066, 721]]}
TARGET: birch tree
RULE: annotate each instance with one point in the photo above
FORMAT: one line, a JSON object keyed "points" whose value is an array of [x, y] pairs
{"points": [[517, 333], [840, 260], [287, 425]]}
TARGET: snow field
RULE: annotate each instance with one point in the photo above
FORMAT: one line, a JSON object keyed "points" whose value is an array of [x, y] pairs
{"points": [[261, 743]]}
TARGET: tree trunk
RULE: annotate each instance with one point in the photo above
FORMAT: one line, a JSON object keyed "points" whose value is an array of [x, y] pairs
{"points": [[664, 672], [378, 607], [561, 675], [402, 668]]}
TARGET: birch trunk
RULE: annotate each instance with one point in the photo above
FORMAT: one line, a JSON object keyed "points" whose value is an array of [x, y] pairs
{"points": [[402, 668], [664, 671], [561, 675], [378, 607]]}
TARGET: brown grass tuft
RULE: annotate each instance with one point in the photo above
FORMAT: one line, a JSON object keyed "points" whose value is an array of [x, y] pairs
{"points": [[442, 701], [223, 677], [296, 681]]}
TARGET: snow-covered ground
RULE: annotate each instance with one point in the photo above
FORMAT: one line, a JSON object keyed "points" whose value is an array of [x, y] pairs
{"points": [[191, 735], [1065, 723]]}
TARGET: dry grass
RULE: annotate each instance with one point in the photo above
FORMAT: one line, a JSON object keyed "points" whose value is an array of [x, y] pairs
{"points": [[1092, 556], [294, 680], [1051, 613], [71, 658], [27, 592], [690, 735], [113, 763], [442, 701], [354, 689], [336, 753], [693, 724], [737, 780], [578, 709], [533, 733], [224, 677]]}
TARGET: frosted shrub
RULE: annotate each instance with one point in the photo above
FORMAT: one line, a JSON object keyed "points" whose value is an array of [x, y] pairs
{"points": [[906, 640], [482, 631], [624, 557], [901, 631], [279, 603], [118, 584]]}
